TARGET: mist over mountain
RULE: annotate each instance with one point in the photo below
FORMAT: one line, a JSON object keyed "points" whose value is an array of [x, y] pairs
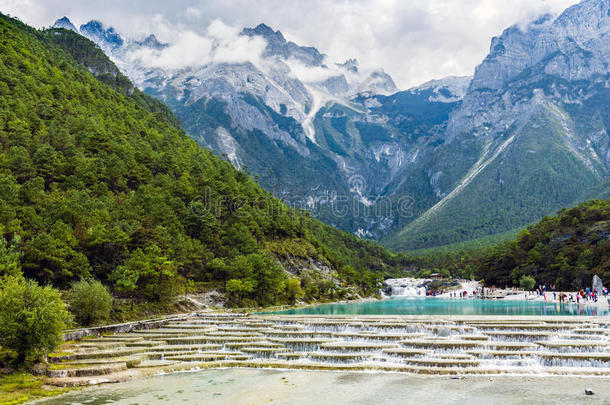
{"points": [[447, 161]]}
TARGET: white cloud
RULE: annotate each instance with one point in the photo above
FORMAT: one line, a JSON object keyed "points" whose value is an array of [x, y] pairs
{"points": [[190, 49], [310, 74], [413, 40], [187, 49], [239, 50], [230, 47], [222, 31]]}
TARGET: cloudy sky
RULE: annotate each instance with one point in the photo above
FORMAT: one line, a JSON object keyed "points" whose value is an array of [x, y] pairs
{"points": [[413, 40]]}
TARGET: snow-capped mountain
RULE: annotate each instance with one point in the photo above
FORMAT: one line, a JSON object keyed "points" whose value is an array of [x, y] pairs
{"points": [[108, 37], [278, 46], [446, 90], [447, 161], [273, 114], [152, 42]]}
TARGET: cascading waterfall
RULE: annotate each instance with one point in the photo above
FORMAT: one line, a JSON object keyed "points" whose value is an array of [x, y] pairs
{"points": [[406, 287], [429, 344]]}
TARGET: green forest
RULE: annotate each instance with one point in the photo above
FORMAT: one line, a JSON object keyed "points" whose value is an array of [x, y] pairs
{"points": [[565, 250], [98, 181]]}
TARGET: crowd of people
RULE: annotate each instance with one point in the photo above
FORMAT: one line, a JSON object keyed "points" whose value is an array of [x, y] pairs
{"points": [[584, 295], [452, 294], [588, 295]]}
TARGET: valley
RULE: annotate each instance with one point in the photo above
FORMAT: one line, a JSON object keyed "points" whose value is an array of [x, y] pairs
{"points": [[230, 200]]}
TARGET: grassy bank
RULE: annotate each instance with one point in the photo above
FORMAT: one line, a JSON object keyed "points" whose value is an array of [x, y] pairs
{"points": [[20, 387]]}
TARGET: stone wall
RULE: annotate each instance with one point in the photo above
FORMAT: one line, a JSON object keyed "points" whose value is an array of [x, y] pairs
{"points": [[77, 334]]}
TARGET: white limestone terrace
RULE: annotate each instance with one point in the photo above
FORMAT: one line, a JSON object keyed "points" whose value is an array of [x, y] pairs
{"points": [[431, 345]]}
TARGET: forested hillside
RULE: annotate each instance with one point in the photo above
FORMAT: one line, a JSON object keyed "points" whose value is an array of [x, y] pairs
{"points": [[565, 250], [98, 180]]}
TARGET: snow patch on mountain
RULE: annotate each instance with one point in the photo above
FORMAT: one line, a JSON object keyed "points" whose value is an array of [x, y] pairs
{"points": [[447, 90], [228, 146]]}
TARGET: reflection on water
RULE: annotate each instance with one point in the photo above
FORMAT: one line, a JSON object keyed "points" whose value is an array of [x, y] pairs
{"points": [[441, 306]]}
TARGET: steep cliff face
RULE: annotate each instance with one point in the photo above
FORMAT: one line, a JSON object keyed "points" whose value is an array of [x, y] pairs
{"points": [[531, 133], [572, 48]]}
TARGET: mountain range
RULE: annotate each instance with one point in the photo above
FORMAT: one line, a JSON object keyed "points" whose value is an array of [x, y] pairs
{"points": [[451, 160]]}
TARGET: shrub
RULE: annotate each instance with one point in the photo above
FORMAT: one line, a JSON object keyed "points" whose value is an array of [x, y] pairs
{"points": [[293, 290], [239, 288], [32, 318], [9, 259], [527, 282], [90, 302]]}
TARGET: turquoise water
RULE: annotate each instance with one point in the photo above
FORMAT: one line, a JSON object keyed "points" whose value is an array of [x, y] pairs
{"points": [[441, 306]]}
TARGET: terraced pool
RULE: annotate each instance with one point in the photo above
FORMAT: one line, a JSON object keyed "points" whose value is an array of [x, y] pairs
{"points": [[441, 306], [432, 345]]}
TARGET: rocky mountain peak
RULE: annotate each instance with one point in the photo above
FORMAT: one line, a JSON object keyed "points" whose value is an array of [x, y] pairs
{"points": [[278, 46], [151, 41], [65, 23], [350, 65], [104, 36], [378, 82], [446, 90], [265, 31], [580, 32]]}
